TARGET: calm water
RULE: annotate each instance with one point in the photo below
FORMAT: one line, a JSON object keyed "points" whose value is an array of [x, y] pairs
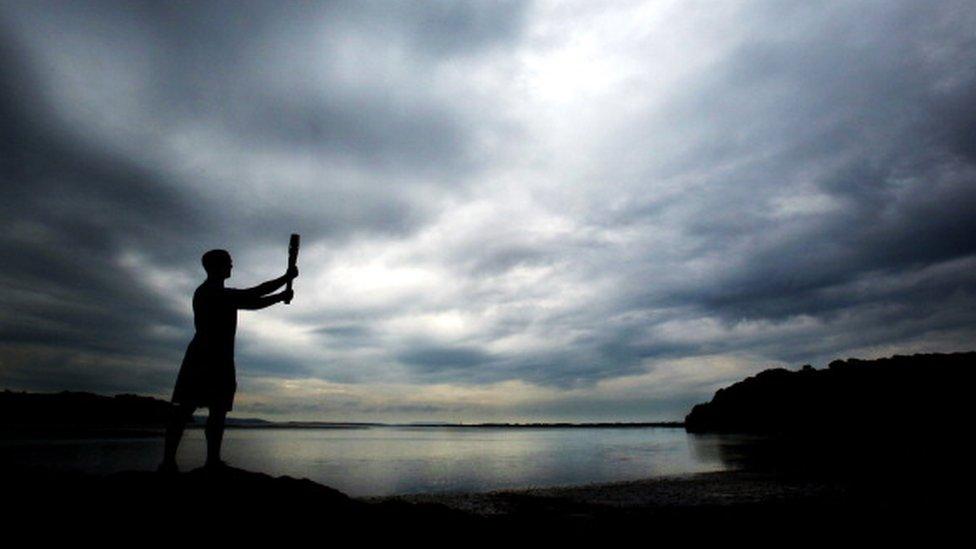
{"points": [[400, 460]]}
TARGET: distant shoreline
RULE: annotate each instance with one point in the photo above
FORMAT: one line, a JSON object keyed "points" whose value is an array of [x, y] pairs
{"points": [[60, 432], [349, 425], [69, 413]]}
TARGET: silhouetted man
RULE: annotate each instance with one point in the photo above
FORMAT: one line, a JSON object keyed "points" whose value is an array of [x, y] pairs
{"points": [[207, 375]]}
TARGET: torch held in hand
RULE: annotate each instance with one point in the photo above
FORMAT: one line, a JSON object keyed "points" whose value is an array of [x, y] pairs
{"points": [[292, 258]]}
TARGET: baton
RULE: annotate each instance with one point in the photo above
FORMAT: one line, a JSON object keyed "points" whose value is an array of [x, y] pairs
{"points": [[292, 258]]}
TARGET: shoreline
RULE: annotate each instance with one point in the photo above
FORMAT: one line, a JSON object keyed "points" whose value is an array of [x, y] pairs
{"points": [[733, 487]]}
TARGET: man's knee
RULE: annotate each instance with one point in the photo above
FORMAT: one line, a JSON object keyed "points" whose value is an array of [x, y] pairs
{"points": [[216, 417], [183, 413]]}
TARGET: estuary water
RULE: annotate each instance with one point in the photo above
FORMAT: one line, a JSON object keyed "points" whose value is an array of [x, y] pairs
{"points": [[386, 460]]}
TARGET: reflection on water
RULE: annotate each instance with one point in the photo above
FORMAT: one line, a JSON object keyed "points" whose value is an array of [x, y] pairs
{"points": [[398, 460], [889, 458], [735, 451]]}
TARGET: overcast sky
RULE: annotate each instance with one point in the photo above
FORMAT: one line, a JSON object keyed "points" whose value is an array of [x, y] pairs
{"points": [[510, 211]]}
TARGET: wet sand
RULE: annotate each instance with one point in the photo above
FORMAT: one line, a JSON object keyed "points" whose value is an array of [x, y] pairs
{"points": [[725, 488]]}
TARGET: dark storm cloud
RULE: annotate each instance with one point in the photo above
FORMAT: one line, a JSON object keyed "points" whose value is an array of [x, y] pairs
{"points": [[834, 188], [66, 212], [256, 69], [427, 358], [269, 79], [869, 107], [77, 198], [347, 331]]}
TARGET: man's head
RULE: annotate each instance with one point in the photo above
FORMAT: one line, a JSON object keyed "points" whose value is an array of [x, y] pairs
{"points": [[217, 263]]}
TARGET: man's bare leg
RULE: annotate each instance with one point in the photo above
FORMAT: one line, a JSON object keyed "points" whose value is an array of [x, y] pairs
{"points": [[215, 436], [179, 417]]}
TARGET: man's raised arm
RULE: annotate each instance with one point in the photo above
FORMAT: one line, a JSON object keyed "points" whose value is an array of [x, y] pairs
{"points": [[244, 300], [266, 288]]}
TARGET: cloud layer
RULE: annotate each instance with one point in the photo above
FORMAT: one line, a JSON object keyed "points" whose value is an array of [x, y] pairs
{"points": [[509, 211]]}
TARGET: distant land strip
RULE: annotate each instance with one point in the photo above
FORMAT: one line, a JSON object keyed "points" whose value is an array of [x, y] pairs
{"points": [[561, 425], [262, 424], [80, 413]]}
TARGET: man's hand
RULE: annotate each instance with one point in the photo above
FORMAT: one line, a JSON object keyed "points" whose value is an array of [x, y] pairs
{"points": [[292, 273], [287, 295]]}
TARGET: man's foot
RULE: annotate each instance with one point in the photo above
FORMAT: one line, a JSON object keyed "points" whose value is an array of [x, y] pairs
{"points": [[168, 468]]}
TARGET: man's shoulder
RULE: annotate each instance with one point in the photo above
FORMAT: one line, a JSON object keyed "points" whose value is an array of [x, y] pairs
{"points": [[211, 291]]}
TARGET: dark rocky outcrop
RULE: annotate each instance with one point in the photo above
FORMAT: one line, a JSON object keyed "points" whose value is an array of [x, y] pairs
{"points": [[229, 506], [224, 503], [930, 391], [78, 413]]}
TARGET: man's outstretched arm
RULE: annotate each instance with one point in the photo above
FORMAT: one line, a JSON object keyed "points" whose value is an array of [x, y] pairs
{"points": [[252, 303], [266, 288]]}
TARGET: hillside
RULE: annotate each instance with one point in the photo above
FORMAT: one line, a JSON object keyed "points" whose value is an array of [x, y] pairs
{"points": [[71, 411], [862, 396]]}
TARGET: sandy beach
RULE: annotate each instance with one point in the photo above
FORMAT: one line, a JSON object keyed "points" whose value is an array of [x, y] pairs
{"points": [[725, 488]]}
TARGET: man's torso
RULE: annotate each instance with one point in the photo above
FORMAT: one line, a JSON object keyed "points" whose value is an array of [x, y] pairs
{"points": [[215, 319]]}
